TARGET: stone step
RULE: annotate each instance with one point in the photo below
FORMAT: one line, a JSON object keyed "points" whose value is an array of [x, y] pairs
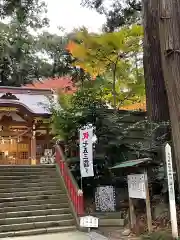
{"points": [[62, 197], [34, 202], [23, 173], [33, 219], [27, 167], [24, 170], [38, 231], [27, 177], [34, 225], [43, 212], [32, 193], [111, 222], [109, 215], [23, 181], [36, 206], [28, 185], [31, 189]]}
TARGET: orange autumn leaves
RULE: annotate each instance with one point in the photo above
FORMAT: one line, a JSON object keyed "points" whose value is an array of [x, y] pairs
{"points": [[80, 52]]}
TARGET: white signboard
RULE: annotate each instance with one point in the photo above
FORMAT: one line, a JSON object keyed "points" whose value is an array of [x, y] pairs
{"points": [[48, 152], [172, 202], [136, 186], [86, 152], [48, 157], [89, 222]]}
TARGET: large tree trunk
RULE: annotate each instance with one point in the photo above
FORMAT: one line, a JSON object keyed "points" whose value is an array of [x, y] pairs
{"points": [[156, 97], [170, 53]]}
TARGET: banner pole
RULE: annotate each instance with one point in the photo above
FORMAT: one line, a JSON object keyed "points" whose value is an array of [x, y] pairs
{"points": [[81, 183]]}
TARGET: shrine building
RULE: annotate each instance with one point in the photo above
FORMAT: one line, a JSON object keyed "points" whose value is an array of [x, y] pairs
{"points": [[25, 121]]}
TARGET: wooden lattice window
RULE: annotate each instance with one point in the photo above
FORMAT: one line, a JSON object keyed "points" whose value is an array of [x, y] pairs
{"points": [[23, 155]]}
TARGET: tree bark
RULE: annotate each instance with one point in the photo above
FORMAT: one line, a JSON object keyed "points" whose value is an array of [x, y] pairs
{"points": [[156, 97], [170, 54]]}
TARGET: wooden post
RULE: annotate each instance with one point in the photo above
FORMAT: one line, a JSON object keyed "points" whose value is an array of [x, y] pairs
{"points": [[132, 215], [172, 202], [148, 205], [33, 146], [48, 137]]}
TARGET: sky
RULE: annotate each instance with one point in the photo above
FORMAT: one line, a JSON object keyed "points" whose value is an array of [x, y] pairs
{"points": [[69, 14]]}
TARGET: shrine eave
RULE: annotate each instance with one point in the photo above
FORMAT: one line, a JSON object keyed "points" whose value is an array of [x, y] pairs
{"points": [[21, 90], [33, 104]]}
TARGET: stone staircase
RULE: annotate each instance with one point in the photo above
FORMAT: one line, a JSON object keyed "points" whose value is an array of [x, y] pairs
{"points": [[33, 201]]}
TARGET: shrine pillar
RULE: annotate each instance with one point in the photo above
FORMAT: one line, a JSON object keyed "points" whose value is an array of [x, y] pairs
{"points": [[33, 146]]}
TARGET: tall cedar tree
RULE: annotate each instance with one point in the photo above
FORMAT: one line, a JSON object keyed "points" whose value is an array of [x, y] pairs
{"points": [[170, 49], [156, 97]]}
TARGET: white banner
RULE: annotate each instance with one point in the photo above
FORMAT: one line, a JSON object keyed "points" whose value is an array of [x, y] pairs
{"points": [[86, 152]]}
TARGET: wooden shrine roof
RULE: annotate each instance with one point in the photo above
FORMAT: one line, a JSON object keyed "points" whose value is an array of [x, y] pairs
{"points": [[36, 102], [57, 84]]}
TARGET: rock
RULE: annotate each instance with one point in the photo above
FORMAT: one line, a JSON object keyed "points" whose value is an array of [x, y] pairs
{"points": [[126, 232]]}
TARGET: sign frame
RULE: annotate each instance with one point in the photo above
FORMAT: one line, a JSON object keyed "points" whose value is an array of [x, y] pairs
{"points": [[89, 222], [148, 206]]}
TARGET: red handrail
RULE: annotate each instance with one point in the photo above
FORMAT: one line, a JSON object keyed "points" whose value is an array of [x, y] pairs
{"points": [[75, 193]]}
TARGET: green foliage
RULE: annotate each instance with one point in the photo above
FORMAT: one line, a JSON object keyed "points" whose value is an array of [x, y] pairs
{"points": [[87, 106], [53, 46], [160, 235], [18, 60], [115, 57], [26, 56], [16, 54], [74, 112], [25, 12], [117, 12]]}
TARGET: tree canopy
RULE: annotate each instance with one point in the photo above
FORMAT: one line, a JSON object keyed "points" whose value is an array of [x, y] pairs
{"points": [[27, 53], [115, 58], [118, 13]]}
